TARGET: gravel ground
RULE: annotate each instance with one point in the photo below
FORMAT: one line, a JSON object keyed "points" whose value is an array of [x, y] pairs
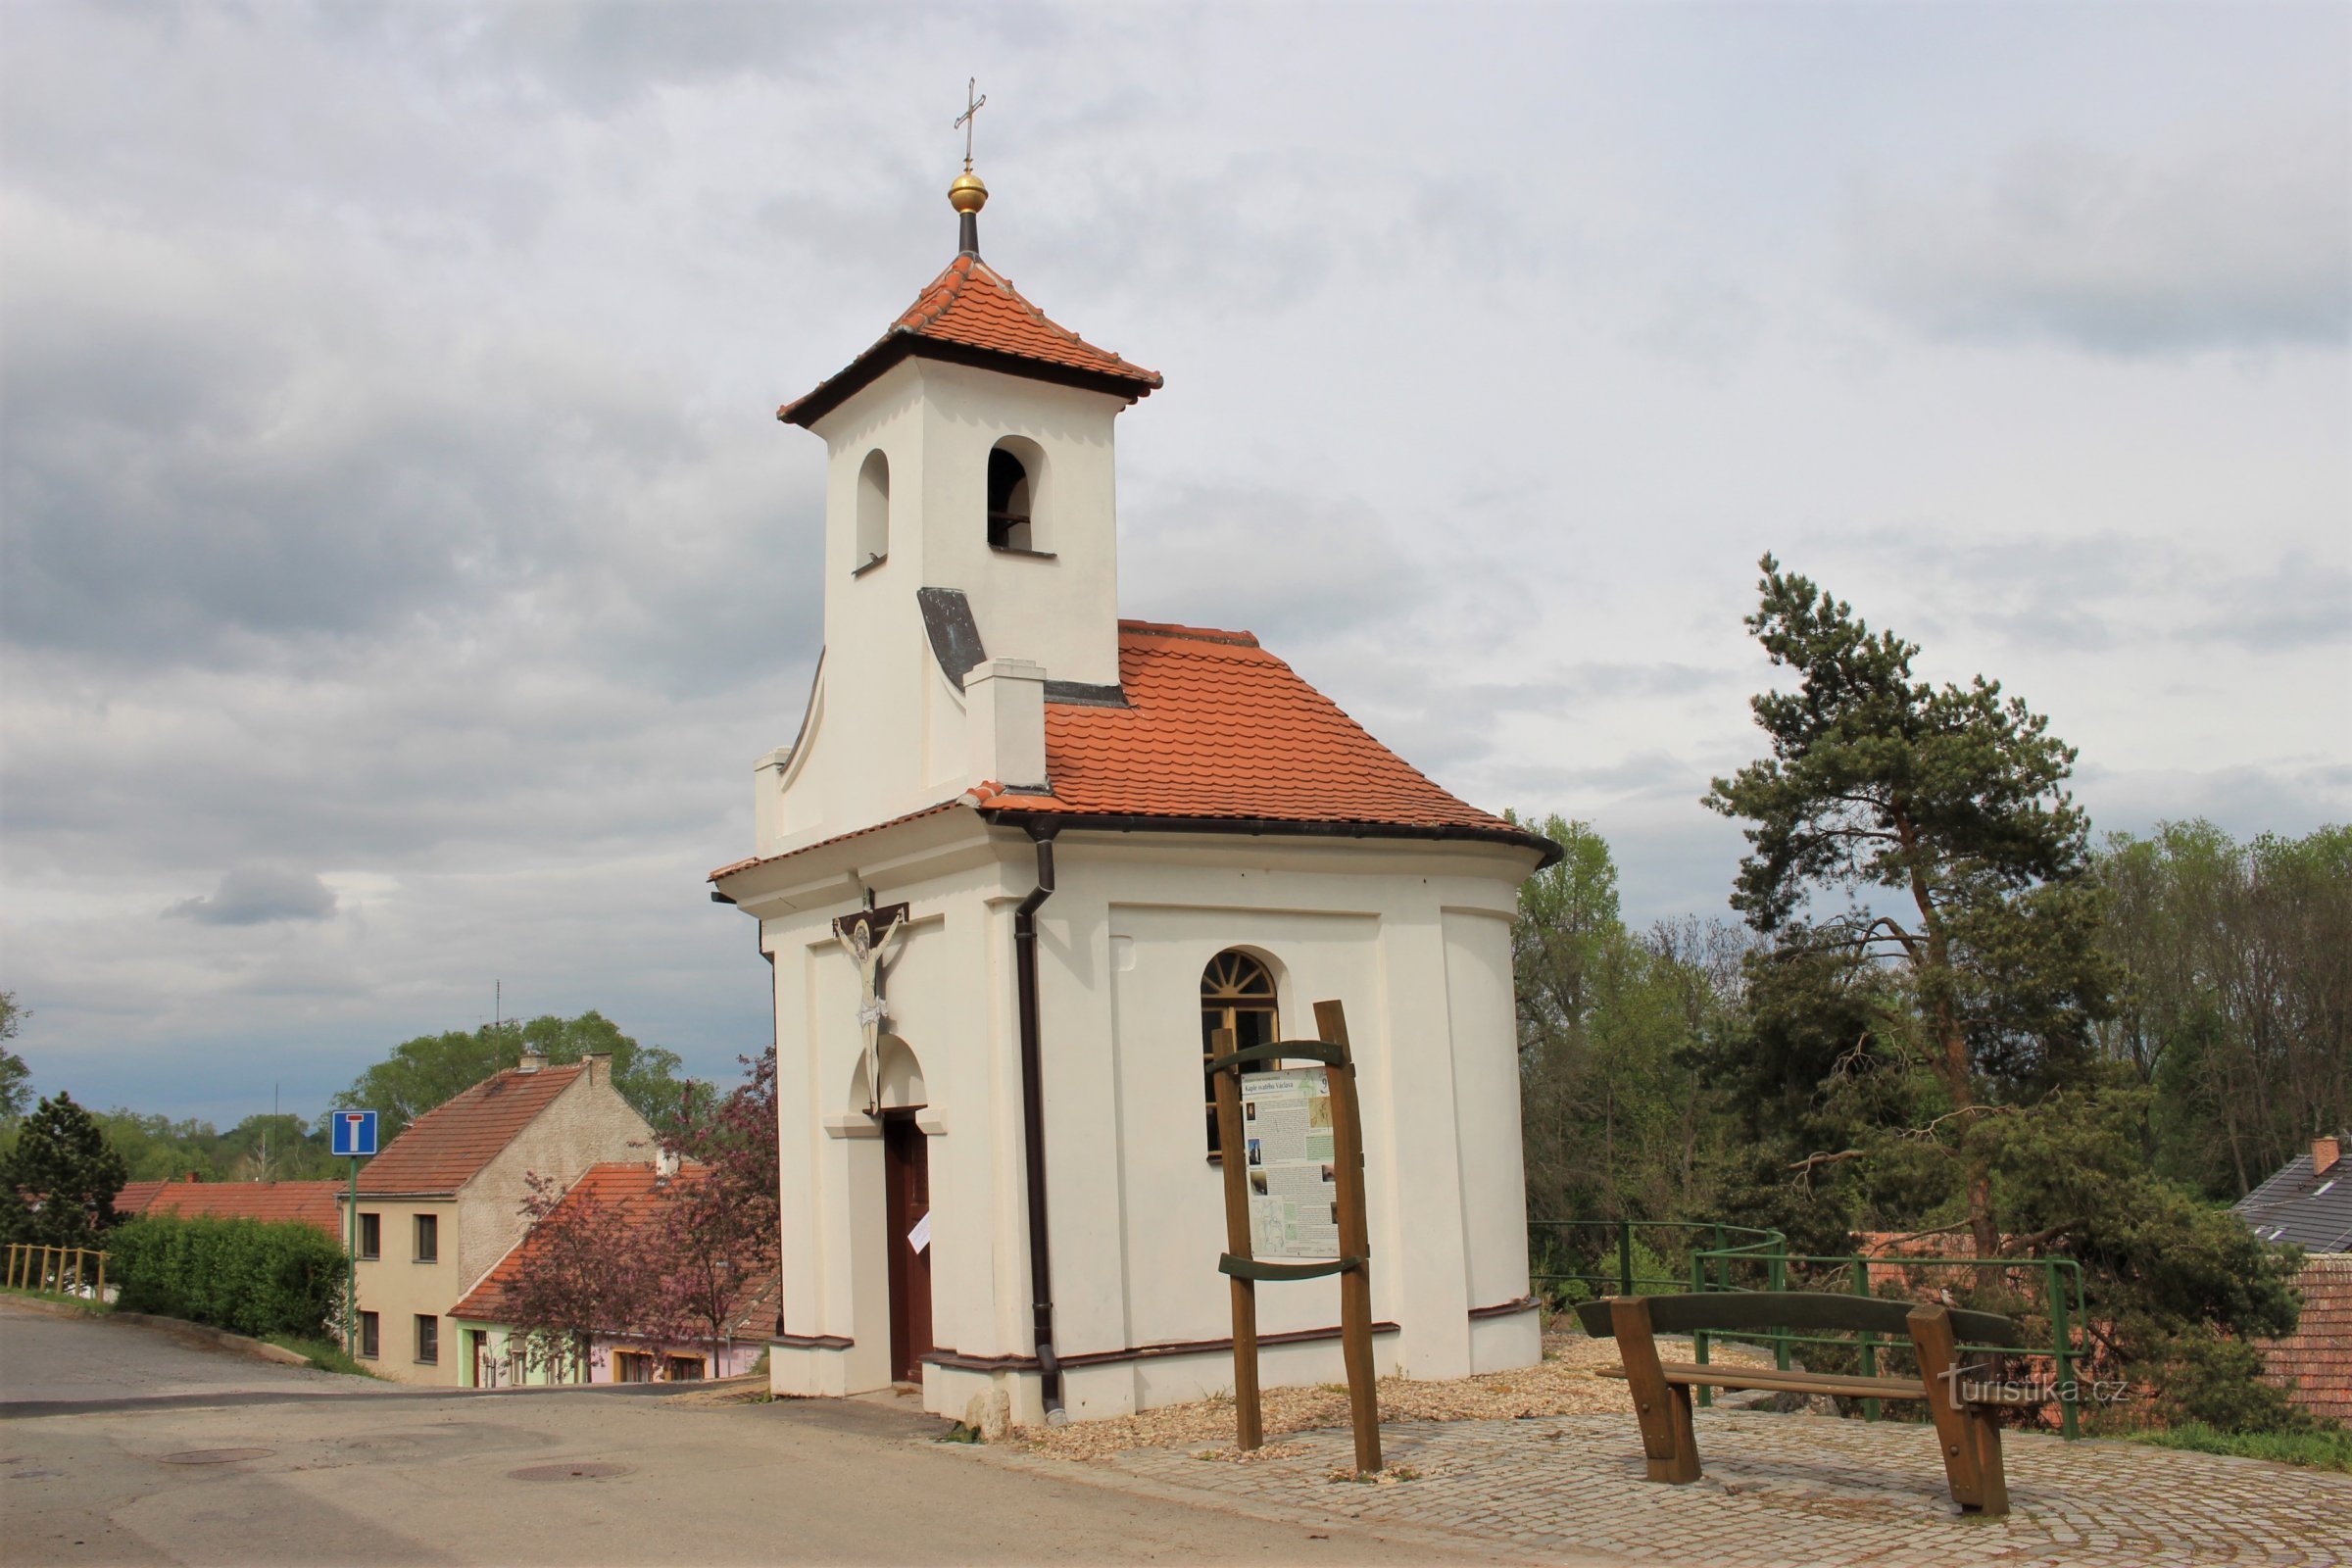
{"points": [[1565, 1382]]}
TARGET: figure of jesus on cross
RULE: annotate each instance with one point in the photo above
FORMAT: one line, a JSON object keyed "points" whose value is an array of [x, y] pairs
{"points": [[855, 934]]}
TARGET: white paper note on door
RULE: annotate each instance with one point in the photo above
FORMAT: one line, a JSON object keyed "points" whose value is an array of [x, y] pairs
{"points": [[920, 1237]]}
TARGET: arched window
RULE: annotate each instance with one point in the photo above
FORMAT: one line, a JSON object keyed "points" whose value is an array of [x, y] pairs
{"points": [[1012, 497], [873, 511], [1236, 992]]}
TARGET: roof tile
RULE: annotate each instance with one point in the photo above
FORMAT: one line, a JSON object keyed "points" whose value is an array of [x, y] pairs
{"points": [[973, 306], [1215, 726], [311, 1203], [441, 1150]]}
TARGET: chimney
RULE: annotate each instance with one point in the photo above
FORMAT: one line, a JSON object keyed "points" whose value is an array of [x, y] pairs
{"points": [[1005, 723], [533, 1058], [600, 1067], [2324, 1152]]}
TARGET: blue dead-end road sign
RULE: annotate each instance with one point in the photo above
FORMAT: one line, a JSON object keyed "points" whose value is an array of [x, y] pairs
{"points": [[354, 1134]]}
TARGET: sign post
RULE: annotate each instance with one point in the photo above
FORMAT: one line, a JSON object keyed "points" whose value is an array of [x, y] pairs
{"points": [[353, 1135], [1294, 1163]]}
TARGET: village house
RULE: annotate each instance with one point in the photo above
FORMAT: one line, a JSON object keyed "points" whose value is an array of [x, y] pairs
{"points": [[496, 1353], [2308, 1204], [443, 1202], [1087, 844]]}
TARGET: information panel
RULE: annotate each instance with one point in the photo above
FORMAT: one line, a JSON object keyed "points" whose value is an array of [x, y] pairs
{"points": [[1293, 1183]]}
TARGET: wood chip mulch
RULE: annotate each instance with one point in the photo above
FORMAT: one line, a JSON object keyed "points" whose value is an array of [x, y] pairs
{"points": [[1565, 1382]]}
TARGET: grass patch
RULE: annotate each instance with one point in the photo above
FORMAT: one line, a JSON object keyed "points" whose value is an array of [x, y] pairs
{"points": [[93, 1308], [324, 1355], [2329, 1449]]}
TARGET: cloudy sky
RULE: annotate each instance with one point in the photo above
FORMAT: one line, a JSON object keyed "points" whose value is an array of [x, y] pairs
{"points": [[403, 566]]}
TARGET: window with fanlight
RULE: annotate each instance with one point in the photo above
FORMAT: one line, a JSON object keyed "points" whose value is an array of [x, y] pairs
{"points": [[1236, 992]]}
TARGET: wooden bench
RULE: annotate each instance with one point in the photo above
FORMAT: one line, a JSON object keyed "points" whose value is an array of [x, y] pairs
{"points": [[1963, 1410]]}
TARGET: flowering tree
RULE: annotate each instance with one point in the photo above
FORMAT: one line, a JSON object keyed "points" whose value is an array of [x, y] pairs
{"points": [[716, 1232], [590, 1267]]}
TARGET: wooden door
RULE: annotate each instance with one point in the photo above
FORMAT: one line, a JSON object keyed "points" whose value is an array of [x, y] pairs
{"points": [[907, 1182]]}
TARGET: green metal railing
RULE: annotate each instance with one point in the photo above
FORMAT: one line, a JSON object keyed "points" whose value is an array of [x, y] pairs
{"points": [[1609, 1246], [1738, 1257]]}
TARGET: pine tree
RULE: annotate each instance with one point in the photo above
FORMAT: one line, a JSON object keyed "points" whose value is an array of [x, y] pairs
{"points": [[63, 1177], [1939, 816]]}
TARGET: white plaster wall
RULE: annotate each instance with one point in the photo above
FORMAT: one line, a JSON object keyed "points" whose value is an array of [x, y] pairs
{"points": [[951, 1007], [884, 734], [1486, 1077], [1412, 938]]}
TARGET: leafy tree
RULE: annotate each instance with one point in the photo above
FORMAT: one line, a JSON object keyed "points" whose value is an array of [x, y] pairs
{"points": [[432, 1069], [1940, 814], [263, 1148], [16, 1078], [60, 1178], [2238, 1003], [717, 1233], [590, 1268], [1614, 1122]]}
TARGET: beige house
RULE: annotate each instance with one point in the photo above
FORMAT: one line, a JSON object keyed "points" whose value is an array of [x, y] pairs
{"points": [[442, 1204]]}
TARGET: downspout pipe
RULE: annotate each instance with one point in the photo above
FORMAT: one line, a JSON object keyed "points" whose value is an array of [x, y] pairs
{"points": [[1033, 1116]]}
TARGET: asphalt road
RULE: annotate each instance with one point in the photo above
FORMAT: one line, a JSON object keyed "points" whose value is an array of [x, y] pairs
{"points": [[121, 1445]]}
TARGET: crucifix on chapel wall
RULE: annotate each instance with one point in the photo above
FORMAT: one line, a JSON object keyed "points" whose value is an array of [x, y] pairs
{"points": [[870, 952]]}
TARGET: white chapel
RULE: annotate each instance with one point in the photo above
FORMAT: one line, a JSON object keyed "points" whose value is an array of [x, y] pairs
{"points": [[1085, 843]]}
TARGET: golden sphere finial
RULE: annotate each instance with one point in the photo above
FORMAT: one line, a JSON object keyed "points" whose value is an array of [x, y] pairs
{"points": [[967, 194]]}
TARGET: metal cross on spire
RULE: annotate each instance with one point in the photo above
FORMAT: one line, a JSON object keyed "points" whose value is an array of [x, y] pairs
{"points": [[963, 121]]}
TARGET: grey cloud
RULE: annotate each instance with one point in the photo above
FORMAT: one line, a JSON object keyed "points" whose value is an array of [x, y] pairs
{"points": [[2111, 591], [2284, 794], [257, 896], [1602, 678], [2301, 602], [2244, 246], [1311, 569]]}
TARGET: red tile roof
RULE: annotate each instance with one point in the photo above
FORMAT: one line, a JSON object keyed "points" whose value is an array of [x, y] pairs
{"points": [[633, 1189], [1215, 727], [1214, 730], [311, 1203], [972, 312], [134, 1197], [442, 1149], [734, 866]]}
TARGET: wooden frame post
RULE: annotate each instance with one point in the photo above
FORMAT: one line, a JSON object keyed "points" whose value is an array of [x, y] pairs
{"points": [[1967, 1434], [1355, 1241], [1354, 1264], [1248, 1411]]}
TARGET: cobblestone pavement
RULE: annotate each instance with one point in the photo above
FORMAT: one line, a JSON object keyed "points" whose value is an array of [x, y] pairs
{"points": [[1778, 1490]]}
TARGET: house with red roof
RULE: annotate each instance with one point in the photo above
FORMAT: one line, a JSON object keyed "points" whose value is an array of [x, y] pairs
{"points": [[633, 1191], [272, 1203], [442, 1204], [1023, 857]]}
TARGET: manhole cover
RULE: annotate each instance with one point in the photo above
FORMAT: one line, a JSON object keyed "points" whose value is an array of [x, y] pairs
{"points": [[216, 1455], [586, 1470]]}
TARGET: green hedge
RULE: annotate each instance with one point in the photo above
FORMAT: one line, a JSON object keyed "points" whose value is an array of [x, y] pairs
{"points": [[237, 1274]]}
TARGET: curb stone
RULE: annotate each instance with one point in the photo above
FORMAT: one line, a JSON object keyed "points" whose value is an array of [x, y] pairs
{"points": [[220, 1338]]}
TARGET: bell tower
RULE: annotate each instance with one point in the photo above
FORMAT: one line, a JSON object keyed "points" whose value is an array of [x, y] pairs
{"points": [[970, 559]]}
